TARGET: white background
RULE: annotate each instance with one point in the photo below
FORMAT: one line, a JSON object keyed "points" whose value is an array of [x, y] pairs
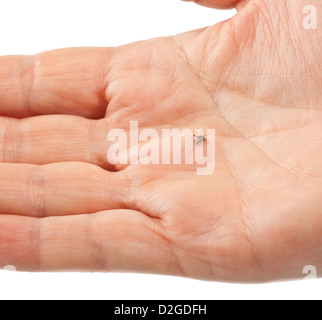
{"points": [[27, 27]]}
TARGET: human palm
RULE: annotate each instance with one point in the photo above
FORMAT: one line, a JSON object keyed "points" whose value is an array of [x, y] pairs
{"points": [[256, 79]]}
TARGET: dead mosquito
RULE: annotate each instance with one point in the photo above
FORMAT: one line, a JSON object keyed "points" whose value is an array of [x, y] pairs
{"points": [[198, 139]]}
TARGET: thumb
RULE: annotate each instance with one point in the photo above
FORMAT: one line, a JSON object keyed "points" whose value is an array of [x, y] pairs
{"points": [[220, 4]]}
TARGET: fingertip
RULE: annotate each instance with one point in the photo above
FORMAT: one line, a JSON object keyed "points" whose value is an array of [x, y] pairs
{"points": [[218, 4]]}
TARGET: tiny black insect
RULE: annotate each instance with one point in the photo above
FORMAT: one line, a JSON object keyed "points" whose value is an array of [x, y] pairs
{"points": [[199, 139]]}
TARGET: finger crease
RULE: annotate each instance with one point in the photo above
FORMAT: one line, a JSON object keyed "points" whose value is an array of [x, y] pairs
{"points": [[28, 75], [36, 186]]}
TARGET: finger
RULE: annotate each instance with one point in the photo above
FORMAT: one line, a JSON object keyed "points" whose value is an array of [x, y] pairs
{"points": [[69, 81], [220, 4], [108, 241], [60, 189], [50, 139]]}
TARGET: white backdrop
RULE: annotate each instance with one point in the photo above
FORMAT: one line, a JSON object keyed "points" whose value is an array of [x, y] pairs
{"points": [[31, 26]]}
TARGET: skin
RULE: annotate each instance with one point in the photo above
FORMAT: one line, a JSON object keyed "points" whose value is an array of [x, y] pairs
{"points": [[256, 79]]}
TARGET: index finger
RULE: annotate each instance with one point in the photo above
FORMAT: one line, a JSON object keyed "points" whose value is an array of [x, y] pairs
{"points": [[68, 81]]}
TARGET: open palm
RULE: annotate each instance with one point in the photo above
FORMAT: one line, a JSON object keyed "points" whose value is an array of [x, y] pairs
{"points": [[256, 79]]}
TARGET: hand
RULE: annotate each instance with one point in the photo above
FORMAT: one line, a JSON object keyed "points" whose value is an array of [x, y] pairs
{"points": [[256, 79]]}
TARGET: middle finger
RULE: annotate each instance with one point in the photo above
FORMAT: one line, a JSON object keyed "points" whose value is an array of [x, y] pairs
{"points": [[55, 138]]}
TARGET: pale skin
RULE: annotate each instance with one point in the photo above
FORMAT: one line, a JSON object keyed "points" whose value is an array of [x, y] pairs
{"points": [[256, 79]]}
